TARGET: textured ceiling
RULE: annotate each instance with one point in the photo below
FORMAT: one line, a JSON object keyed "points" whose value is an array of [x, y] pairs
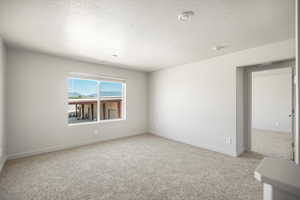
{"points": [[145, 34]]}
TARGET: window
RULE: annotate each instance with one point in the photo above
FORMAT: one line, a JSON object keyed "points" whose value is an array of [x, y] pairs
{"points": [[95, 100], [111, 100]]}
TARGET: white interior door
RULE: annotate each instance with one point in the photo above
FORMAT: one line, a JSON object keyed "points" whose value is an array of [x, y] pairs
{"points": [[293, 115]]}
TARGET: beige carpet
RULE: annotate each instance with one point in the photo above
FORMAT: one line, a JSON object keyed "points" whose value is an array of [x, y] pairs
{"points": [[272, 143], [142, 167]]}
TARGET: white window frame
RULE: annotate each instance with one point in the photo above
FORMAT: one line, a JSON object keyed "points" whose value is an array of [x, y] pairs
{"points": [[99, 80]]}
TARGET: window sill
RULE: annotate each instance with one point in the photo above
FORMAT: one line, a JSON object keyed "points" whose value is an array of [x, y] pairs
{"points": [[110, 120], [97, 122]]}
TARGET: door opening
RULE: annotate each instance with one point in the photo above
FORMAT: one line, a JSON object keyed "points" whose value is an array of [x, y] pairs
{"points": [[271, 93], [266, 109]]}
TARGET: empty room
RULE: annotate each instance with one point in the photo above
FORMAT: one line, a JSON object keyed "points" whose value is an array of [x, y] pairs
{"points": [[141, 100]]}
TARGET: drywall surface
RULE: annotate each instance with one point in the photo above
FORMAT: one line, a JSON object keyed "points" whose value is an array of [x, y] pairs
{"points": [[2, 107], [272, 100], [196, 103], [37, 94]]}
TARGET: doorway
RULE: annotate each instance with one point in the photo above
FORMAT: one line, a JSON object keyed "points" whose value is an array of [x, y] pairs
{"points": [[271, 127], [266, 109]]}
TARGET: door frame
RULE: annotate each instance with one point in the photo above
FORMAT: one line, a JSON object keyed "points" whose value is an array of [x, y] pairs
{"points": [[244, 103]]}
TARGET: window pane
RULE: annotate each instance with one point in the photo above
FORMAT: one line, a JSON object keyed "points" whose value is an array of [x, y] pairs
{"points": [[111, 100], [82, 100], [111, 89]]}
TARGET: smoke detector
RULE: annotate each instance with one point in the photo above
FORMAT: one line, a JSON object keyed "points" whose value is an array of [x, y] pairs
{"points": [[219, 47], [186, 15]]}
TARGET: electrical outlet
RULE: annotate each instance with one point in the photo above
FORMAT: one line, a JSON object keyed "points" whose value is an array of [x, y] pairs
{"points": [[228, 140], [277, 124]]}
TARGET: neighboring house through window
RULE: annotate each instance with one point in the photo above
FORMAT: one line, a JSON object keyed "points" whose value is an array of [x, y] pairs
{"points": [[95, 100]]}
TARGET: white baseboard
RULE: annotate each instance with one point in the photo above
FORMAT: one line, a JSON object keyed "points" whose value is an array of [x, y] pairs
{"points": [[2, 162], [210, 148], [64, 147], [240, 151]]}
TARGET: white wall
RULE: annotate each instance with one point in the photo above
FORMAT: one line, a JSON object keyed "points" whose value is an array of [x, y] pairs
{"points": [[37, 104], [196, 103], [271, 99], [2, 119]]}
